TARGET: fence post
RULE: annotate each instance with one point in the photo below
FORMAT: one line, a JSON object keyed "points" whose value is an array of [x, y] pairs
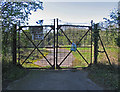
{"points": [[119, 30], [14, 44], [96, 35]]}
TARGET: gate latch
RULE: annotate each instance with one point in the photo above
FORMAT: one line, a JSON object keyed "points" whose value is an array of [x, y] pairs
{"points": [[73, 47]]}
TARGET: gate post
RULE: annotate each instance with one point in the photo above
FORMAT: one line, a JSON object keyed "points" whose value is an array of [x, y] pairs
{"points": [[57, 66], [57, 47], [96, 35], [54, 45], [119, 29], [14, 44]]}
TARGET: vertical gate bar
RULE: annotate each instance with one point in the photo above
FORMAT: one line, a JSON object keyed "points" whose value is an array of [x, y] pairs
{"points": [[91, 40], [57, 46], [91, 45], [14, 45], [54, 45], [19, 46], [96, 33]]}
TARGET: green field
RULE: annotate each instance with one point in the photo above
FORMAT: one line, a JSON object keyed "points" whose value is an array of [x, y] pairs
{"points": [[112, 54], [86, 52], [78, 62]]}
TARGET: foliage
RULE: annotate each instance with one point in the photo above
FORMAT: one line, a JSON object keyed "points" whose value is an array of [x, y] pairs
{"points": [[104, 76], [113, 17], [118, 41], [113, 23], [108, 37], [10, 73], [12, 13]]}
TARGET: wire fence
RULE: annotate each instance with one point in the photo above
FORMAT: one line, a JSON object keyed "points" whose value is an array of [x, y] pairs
{"points": [[108, 38]]}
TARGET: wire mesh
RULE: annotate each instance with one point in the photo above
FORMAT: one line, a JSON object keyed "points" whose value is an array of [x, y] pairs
{"points": [[42, 53], [108, 38], [74, 59]]}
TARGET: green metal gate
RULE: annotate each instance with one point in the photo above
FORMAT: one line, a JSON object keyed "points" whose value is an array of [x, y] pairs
{"points": [[66, 46]]}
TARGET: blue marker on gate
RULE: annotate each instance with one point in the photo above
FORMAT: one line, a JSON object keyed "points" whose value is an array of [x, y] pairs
{"points": [[73, 47]]}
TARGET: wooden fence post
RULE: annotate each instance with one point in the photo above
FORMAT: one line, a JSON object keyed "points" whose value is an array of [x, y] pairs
{"points": [[96, 35], [14, 52]]}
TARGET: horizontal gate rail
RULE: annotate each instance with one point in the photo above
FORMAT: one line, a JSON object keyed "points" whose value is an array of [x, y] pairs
{"points": [[33, 47], [78, 46], [52, 47], [38, 26], [74, 26]]}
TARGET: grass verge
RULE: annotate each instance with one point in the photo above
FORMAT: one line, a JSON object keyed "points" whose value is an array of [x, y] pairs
{"points": [[104, 76], [12, 73]]}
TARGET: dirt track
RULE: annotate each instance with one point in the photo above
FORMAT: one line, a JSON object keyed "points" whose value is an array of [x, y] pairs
{"points": [[61, 55]]}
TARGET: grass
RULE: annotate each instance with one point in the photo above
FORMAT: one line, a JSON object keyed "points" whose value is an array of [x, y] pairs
{"points": [[112, 53], [104, 76], [10, 73], [31, 65], [46, 67], [101, 73], [36, 56], [79, 61]]}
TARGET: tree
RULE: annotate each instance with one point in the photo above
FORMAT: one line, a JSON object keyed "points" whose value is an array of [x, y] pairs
{"points": [[113, 23], [12, 13]]}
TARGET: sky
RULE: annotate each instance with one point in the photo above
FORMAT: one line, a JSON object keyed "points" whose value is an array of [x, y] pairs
{"points": [[73, 12]]}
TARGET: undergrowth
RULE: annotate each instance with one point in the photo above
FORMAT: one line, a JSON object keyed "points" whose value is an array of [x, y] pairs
{"points": [[11, 72], [104, 75]]}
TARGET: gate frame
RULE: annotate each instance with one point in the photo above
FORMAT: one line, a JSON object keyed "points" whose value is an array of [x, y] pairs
{"points": [[59, 28], [36, 46]]}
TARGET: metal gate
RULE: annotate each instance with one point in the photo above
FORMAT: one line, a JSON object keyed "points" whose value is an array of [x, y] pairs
{"points": [[66, 46]]}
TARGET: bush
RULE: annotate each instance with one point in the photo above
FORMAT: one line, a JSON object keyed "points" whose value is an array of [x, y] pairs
{"points": [[118, 41]]}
